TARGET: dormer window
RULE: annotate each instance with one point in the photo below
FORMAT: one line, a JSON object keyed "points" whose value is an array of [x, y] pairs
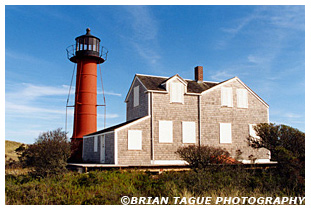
{"points": [[177, 92]]}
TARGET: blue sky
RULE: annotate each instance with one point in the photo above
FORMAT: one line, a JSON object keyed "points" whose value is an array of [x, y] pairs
{"points": [[263, 45]]}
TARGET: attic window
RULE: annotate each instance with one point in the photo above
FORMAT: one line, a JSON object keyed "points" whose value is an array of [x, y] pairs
{"points": [[226, 97], [177, 92], [242, 100], [136, 96]]}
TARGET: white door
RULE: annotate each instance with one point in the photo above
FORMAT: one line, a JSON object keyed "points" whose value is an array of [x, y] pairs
{"points": [[102, 149]]}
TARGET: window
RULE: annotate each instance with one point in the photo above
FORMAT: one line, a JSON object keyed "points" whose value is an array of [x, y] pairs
{"points": [[188, 132], [165, 131], [95, 143], [226, 96], [252, 131], [134, 139], [177, 92], [225, 133], [136, 96], [242, 100]]}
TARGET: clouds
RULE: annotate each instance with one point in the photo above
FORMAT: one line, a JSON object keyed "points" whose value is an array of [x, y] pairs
{"points": [[144, 32], [27, 104]]}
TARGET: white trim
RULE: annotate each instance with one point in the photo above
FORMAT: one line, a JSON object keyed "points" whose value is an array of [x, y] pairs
{"points": [[200, 119], [116, 148], [152, 126], [132, 123], [147, 75], [217, 86], [149, 107], [184, 82], [258, 161], [128, 93], [102, 150], [95, 144], [169, 162], [98, 134], [156, 91]]}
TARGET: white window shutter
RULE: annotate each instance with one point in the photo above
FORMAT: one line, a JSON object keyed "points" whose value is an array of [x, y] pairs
{"points": [[95, 143], [225, 133], [226, 96], [136, 96], [134, 139], [245, 98], [229, 95], [252, 131], [165, 131], [177, 92], [242, 98], [188, 132]]}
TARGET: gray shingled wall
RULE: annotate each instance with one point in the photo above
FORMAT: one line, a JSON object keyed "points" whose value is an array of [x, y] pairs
{"points": [[109, 148], [135, 157], [88, 151], [176, 112], [138, 111], [240, 118]]}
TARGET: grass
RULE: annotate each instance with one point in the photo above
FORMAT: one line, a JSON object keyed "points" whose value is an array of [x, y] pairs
{"points": [[107, 187], [10, 147]]}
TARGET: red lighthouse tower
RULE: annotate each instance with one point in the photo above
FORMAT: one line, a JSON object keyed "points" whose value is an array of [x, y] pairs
{"points": [[86, 53]]}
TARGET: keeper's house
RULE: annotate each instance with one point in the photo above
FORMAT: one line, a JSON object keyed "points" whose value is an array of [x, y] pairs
{"points": [[164, 114]]}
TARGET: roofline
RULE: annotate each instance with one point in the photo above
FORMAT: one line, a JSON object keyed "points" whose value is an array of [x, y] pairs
{"points": [[131, 87], [131, 123], [242, 83], [176, 75], [147, 75]]}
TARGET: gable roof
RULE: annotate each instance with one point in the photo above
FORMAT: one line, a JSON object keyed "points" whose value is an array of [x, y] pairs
{"points": [[154, 83]]}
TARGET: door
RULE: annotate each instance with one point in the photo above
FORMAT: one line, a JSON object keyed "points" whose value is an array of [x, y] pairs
{"points": [[102, 148]]}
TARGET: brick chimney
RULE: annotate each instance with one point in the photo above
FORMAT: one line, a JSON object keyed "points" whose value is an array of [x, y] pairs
{"points": [[198, 73]]}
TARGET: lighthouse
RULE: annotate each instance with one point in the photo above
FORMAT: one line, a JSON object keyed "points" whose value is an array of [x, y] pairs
{"points": [[86, 53]]}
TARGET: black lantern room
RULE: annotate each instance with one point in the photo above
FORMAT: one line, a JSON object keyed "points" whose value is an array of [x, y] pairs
{"points": [[87, 46]]}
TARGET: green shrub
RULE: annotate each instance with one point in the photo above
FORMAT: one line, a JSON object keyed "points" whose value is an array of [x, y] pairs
{"points": [[202, 156], [287, 146], [48, 155]]}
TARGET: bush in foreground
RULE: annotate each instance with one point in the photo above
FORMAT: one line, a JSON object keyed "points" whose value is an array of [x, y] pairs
{"points": [[48, 155], [287, 146], [200, 157]]}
